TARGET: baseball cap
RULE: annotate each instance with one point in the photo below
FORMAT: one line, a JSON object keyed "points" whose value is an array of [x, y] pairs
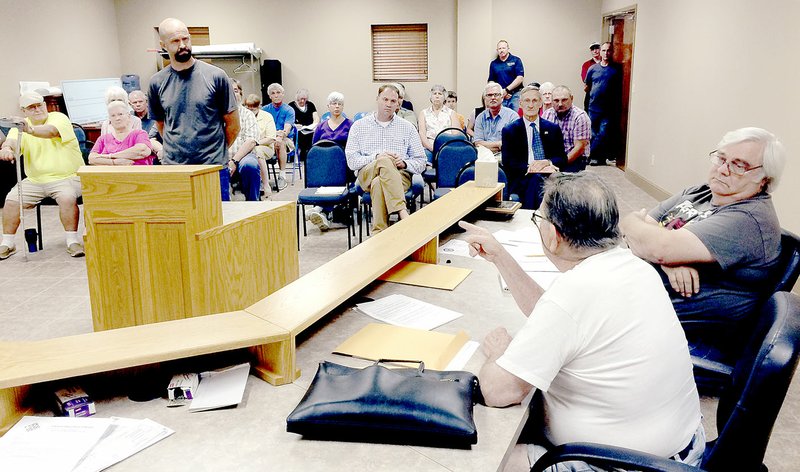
{"points": [[30, 98], [594, 45]]}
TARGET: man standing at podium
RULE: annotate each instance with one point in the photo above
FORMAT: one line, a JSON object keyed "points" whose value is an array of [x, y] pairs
{"points": [[193, 104]]}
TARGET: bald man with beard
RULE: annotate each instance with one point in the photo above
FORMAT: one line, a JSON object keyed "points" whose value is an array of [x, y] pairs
{"points": [[193, 104]]}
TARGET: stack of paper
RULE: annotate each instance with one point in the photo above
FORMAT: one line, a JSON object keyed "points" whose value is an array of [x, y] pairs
{"points": [[330, 190], [525, 247], [401, 310], [75, 444]]}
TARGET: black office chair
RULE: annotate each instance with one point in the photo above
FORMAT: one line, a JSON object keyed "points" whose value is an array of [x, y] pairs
{"points": [[746, 412], [86, 147], [713, 365]]}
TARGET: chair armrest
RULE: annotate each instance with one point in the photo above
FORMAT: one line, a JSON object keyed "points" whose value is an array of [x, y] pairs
{"points": [[712, 366], [608, 457]]}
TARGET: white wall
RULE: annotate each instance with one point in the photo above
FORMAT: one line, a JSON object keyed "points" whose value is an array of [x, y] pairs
{"points": [[702, 68], [323, 45], [50, 41]]}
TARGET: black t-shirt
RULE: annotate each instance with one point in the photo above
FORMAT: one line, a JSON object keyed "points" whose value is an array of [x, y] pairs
{"points": [[304, 118]]}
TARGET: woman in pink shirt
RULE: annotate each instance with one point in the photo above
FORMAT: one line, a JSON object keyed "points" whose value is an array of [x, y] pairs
{"points": [[121, 146]]}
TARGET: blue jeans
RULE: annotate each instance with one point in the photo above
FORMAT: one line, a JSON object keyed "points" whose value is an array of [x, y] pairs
{"points": [[250, 174], [225, 184], [604, 135], [512, 102]]}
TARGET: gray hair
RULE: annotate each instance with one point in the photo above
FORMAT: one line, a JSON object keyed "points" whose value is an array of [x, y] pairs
{"points": [[136, 92], [303, 92], [117, 103], [439, 88], [274, 86], [491, 85], [773, 152], [530, 88], [546, 87], [564, 88], [401, 89], [116, 93], [583, 209], [335, 97]]}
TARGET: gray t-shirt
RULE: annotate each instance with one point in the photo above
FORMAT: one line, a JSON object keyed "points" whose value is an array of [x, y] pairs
{"points": [[745, 239], [192, 103]]}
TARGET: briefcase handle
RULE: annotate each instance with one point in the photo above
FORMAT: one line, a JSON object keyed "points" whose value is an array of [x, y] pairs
{"points": [[420, 369]]}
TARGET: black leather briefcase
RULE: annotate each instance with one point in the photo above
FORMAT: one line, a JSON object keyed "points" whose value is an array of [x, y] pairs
{"points": [[379, 404]]}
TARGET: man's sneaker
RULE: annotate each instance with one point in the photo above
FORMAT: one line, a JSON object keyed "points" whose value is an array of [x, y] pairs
{"points": [[314, 209], [282, 183], [6, 252], [320, 220], [75, 250]]}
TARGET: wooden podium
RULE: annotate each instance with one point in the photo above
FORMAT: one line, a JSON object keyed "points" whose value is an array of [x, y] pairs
{"points": [[161, 246]]}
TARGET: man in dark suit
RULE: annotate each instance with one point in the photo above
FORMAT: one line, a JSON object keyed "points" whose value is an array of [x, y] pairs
{"points": [[533, 148]]}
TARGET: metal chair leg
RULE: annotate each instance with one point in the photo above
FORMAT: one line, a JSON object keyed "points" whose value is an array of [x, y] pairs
{"points": [[38, 225]]}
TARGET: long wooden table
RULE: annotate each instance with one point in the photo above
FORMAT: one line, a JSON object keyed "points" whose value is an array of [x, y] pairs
{"points": [[269, 327]]}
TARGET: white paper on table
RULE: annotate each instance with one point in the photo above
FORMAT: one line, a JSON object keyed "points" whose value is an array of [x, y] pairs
{"points": [[463, 356], [124, 438], [528, 235], [330, 190], [221, 388], [400, 310], [455, 247], [51, 444]]}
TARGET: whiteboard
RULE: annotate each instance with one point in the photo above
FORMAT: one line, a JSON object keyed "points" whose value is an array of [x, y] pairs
{"points": [[86, 99]]}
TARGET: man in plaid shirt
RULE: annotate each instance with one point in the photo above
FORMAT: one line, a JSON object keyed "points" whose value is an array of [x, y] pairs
{"points": [[575, 126], [385, 151]]}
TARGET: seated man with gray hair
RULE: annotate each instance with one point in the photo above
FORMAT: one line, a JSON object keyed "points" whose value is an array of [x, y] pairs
{"points": [[716, 245], [52, 158], [283, 115], [489, 124], [612, 364]]}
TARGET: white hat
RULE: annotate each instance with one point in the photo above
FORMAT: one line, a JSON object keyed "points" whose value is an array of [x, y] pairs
{"points": [[30, 98]]}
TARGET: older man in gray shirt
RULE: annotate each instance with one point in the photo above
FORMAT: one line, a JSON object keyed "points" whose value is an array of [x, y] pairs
{"points": [[193, 104]]}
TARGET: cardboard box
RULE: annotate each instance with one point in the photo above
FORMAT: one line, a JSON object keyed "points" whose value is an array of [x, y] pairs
{"points": [[74, 402], [182, 388]]}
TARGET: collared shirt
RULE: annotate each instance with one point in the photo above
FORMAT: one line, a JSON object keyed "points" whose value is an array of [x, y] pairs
{"points": [[266, 125], [248, 130], [488, 128], [529, 130], [574, 125], [368, 138], [504, 72]]}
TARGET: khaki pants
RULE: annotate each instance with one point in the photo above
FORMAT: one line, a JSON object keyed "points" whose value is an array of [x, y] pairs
{"points": [[387, 186]]}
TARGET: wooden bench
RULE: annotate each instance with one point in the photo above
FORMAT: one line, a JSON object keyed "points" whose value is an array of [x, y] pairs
{"points": [[268, 327]]}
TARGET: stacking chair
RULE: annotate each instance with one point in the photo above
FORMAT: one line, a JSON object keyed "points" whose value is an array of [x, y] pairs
{"points": [[360, 115], [326, 166], [448, 162], [746, 412], [86, 147], [713, 364], [365, 210], [292, 158], [444, 136]]}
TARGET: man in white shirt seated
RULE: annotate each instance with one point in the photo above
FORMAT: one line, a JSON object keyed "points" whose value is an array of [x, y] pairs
{"points": [[385, 151], [610, 359]]}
